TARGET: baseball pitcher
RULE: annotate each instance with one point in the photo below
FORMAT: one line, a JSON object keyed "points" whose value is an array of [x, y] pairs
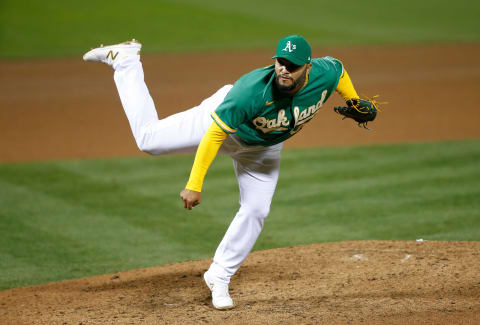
{"points": [[248, 121]]}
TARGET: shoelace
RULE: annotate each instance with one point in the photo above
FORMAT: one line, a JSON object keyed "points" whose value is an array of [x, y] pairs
{"points": [[219, 290]]}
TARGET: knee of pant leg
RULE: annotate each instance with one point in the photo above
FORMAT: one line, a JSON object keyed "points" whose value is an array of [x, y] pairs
{"points": [[145, 144], [154, 144], [258, 211], [145, 148], [158, 148]]}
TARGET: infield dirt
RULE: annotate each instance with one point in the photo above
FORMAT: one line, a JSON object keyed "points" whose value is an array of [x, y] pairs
{"points": [[70, 109]]}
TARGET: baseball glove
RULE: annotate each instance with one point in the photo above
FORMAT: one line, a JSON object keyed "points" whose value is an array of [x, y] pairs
{"points": [[360, 110]]}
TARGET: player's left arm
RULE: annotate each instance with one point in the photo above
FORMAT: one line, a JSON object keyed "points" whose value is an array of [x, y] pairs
{"points": [[360, 110], [345, 87], [206, 153]]}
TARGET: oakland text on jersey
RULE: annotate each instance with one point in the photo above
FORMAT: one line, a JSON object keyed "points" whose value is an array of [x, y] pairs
{"points": [[281, 122]]}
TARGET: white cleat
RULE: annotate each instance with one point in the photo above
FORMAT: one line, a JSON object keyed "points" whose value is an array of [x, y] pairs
{"points": [[220, 297], [113, 53]]}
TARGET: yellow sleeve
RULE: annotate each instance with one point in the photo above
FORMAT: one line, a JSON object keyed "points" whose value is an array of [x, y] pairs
{"points": [[206, 153], [345, 87]]}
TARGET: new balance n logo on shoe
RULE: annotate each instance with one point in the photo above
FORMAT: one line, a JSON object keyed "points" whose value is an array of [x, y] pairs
{"points": [[110, 54]]}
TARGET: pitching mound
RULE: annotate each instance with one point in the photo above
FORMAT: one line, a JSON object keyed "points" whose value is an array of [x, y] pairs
{"points": [[372, 282]]}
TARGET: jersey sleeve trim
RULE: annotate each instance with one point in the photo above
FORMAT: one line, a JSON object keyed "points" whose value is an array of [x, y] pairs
{"points": [[222, 124]]}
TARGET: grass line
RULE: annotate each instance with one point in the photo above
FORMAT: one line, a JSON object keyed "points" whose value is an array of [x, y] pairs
{"points": [[67, 219]]}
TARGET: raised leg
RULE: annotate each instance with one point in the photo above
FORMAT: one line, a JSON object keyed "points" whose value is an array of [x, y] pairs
{"points": [[178, 133]]}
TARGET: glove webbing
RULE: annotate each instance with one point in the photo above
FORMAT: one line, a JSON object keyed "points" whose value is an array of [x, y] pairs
{"points": [[374, 103]]}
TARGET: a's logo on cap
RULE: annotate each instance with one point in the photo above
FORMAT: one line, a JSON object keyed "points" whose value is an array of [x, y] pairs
{"points": [[290, 47]]}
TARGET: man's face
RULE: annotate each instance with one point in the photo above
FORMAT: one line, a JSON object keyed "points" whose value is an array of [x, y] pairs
{"points": [[290, 77]]}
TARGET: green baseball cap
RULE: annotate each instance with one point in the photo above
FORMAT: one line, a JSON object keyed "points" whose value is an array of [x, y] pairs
{"points": [[294, 49]]}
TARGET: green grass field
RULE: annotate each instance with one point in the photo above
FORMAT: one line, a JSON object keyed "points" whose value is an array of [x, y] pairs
{"points": [[68, 219], [55, 28]]}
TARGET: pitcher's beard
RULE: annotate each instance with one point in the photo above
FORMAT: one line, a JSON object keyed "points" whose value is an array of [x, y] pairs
{"points": [[284, 88], [294, 85]]}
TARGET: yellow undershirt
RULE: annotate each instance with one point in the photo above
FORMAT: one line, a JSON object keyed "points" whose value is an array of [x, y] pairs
{"points": [[215, 136], [345, 87], [206, 153]]}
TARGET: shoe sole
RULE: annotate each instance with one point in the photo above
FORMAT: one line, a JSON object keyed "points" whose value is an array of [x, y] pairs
{"points": [[224, 308]]}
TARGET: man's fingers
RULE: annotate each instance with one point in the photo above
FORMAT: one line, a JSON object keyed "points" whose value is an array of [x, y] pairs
{"points": [[190, 199], [193, 204], [187, 204], [184, 199]]}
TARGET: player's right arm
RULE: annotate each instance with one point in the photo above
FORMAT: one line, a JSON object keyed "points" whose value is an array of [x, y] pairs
{"points": [[232, 112], [206, 153]]}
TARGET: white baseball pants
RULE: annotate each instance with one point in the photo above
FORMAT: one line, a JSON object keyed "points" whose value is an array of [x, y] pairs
{"points": [[256, 167]]}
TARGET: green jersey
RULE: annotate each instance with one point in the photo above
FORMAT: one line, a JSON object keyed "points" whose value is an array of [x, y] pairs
{"points": [[260, 114]]}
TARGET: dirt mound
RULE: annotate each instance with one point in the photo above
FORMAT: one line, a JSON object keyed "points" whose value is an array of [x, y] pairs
{"points": [[364, 282]]}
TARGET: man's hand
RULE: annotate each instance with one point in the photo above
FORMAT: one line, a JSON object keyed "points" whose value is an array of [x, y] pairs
{"points": [[190, 198]]}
